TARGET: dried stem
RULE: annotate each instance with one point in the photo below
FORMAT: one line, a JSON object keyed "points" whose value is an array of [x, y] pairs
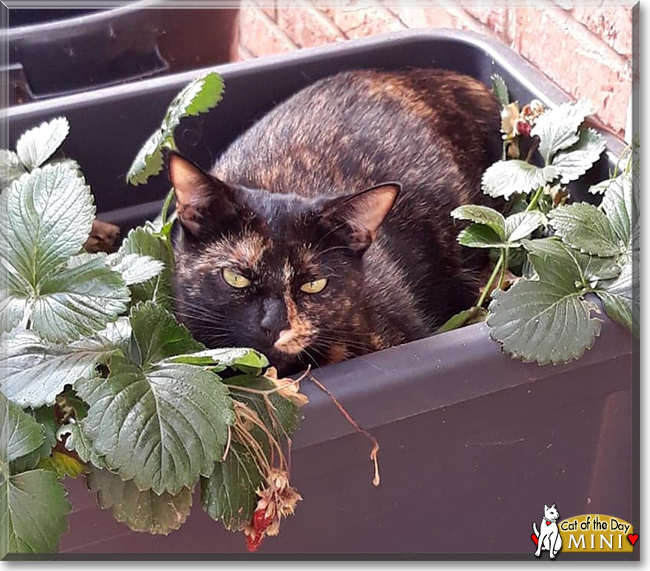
{"points": [[375, 448]]}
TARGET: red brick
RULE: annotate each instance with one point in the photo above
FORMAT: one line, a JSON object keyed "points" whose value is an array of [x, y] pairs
{"points": [[308, 27], [423, 17], [260, 35], [362, 22], [612, 25], [494, 18], [581, 70]]}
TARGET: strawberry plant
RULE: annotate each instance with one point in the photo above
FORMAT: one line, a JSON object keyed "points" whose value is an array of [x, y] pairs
{"points": [[99, 379], [567, 254]]}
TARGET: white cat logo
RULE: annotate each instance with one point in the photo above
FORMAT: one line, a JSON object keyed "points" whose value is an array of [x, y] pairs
{"points": [[548, 538]]}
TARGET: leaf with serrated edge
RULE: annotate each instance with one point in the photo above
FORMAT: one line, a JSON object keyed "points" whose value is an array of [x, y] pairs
{"points": [[499, 89], [140, 510], [229, 493], [20, 433], [11, 168], [481, 236], [239, 359], [78, 301], [557, 128], [149, 160], [482, 215], [35, 371], [75, 439], [44, 218], [538, 321], [63, 465], [159, 335], [134, 268], [578, 159], [619, 205], [159, 288], [199, 96], [522, 224], [505, 178], [586, 228], [37, 145], [46, 419], [161, 428], [33, 512]]}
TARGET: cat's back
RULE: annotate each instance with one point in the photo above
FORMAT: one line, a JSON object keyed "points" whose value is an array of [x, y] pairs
{"points": [[359, 128]]}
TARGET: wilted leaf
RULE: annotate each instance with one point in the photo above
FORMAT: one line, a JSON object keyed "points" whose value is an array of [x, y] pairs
{"points": [[38, 144], [140, 511], [578, 159], [506, 178], [557, 128], [229, 492], [63, 465]]}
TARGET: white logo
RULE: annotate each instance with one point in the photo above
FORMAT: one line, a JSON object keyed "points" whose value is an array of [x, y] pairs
{"points": [[548, 537]]}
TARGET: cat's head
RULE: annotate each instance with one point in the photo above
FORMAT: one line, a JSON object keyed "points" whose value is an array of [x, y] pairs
{"points": [[276, 272], [551, 513]]}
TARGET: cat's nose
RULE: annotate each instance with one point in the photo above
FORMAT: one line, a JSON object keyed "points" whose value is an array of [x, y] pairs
{"points": [[274, 318]]}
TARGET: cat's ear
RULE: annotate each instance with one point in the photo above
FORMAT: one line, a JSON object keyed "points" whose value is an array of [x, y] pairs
{"points": [[545, 508], [360, 215], [203, 202]]}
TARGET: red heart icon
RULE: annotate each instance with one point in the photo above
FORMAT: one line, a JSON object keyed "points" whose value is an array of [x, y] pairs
{"points": [[633, 538], [536, 540]]}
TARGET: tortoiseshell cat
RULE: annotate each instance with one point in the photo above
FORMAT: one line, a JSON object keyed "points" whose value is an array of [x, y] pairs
{"points": [[324, 231]]}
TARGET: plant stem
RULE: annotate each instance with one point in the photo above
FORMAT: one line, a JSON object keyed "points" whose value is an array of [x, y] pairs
{"points": [[504, 268], [488, 285], [533, 148], [166, 205], [535, 199]]}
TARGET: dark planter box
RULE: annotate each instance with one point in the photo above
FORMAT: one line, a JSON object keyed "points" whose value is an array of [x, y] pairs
{"points": [[473, 443], [54, 52]]}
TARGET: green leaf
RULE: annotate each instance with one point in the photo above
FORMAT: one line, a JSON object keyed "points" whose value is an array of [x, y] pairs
{"points": [[63, 465], [557, 128], [33, 510], [539, 321], [499, 89], [199, 96], [586, 228], [239, 359], [620, 207], [11, 168], [522, 224], [159, 335], [162, 427], [78, 301], [620, 309], [140, 510], [578, 159], [149, 160], [480, 236], [505, 178], [465, 317], [20, 435], [566, 268], [482, 215], [134, 268], [46, 419], [229, 493], [159, 288], [44, 219], [38, 144], [35, 371]]}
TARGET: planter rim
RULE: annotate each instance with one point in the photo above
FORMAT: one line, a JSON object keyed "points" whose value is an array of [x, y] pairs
{"points": [[116, 8], [529, 76]]}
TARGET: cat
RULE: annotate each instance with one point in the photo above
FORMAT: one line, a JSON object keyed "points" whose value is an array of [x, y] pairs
{"points": [[549, 538], [324, 231]]}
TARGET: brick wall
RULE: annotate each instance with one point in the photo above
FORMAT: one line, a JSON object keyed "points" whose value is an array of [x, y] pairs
{"points": [[586, 51]]}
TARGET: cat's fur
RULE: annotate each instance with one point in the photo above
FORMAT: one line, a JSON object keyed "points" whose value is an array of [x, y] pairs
{"points": [[280, 208], [549, 538]]}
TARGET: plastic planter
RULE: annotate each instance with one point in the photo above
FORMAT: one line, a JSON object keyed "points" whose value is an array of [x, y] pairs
{"points": [[473, 443]]}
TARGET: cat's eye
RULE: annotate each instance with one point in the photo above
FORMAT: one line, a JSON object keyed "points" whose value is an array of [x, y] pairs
{"points": [[315, 286], [236, 280]]}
